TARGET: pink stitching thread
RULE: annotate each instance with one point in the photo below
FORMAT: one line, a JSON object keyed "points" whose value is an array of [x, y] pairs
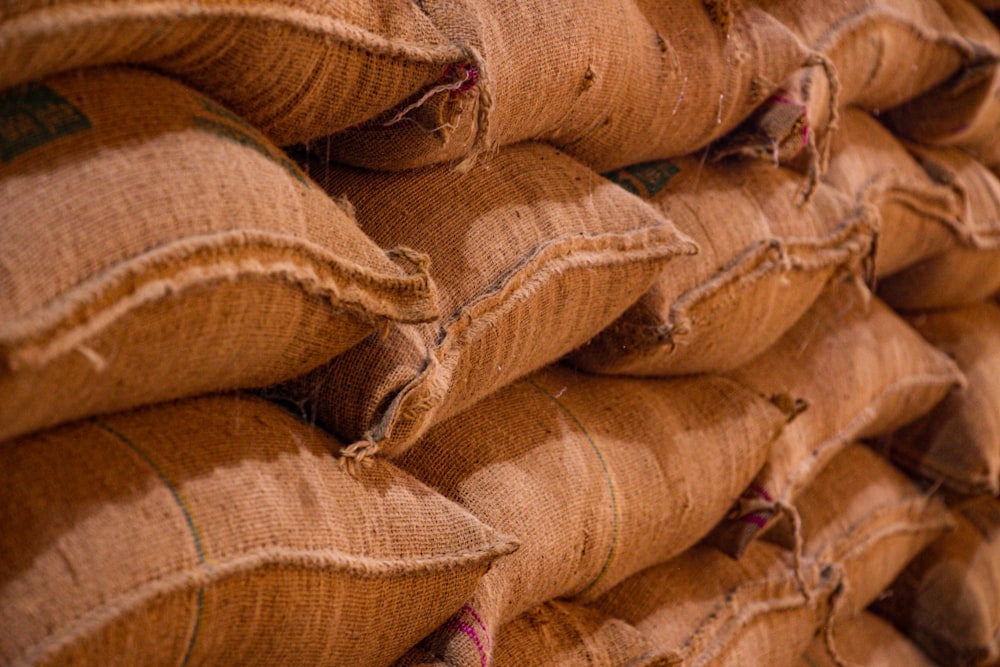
{"points": [[805, 123], [471, 633], [758, 519], [471, 612]]}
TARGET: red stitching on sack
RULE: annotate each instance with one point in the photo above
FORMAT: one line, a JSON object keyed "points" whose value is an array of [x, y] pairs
{"points": [[471, 633], [802, 107], [471, 612]]}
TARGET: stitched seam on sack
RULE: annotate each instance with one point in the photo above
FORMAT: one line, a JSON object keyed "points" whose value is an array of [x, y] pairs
{"points": [[607, 477], [200, 261], [868, 20], [49, 20]]}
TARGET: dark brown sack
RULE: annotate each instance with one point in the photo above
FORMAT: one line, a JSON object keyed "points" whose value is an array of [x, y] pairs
{"points": [[623, 82], [967, 270], [763, 262], [964, 111], [153, 245], [958, 443], [596, 477], [948, 599], [857, 371], [533, 256], [221, 530], [918, 216], [867, 641], [297, 69]]}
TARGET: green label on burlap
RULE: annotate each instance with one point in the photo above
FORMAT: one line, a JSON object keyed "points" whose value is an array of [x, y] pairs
{"points": [[644, 179], [34, 115], [225, 124], [985, 518]]}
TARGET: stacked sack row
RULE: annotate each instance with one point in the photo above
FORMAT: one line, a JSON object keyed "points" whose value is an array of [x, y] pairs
{"points": [[548, 315]]}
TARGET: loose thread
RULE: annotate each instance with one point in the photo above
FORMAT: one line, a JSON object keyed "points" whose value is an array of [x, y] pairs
{"points": [[793, 514], [829, 641], [484, 113]]}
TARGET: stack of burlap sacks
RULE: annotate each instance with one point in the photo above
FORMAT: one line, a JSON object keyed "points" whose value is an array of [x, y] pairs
{"points": [[499, 333]]}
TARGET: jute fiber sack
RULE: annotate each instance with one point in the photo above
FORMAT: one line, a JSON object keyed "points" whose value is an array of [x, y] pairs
{"points": [[533, 256], [623, 82], [152, 246], [763, 262], [948, 599], [917, 215], [958, 442], [705, 609], [297, 69], [865, 45], [866, 521], [857, 370], [221, 530], [596, 477], [966, 271], [867, 641], [964, 111]]}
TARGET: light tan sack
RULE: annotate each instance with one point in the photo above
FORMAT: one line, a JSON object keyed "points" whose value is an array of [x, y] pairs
{"points": [[964, 111], [152, 245], [867, 641], [918, 216], [596, 477], [297, 69], [958, 443], [533, 256], [623, 82], [221, 530], [948, 599], [967, 270], [857, 371], [763, 262]]}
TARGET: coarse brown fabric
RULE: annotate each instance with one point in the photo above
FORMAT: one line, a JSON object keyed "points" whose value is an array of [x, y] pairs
{"points": [[964, 111], [966, 271], [958, 443], [867, 641], [623, 82], [948, 599], [762, 264], [917, 215], [152, 246], [297, 69], [865, 46], [533, 256], [866, 520], [221, 530], [596, 477], [705, 609], [857, 370]]}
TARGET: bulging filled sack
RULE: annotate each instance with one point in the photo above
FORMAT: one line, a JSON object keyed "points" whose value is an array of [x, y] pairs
{"points": [[958, 442], [221, 530], [867, 641], [762, 264], [856, 370], [297, 69], [918, 216], [596, 477], [948, 599], [967, 270], [152, 246], [623, 82], [533, 256]]}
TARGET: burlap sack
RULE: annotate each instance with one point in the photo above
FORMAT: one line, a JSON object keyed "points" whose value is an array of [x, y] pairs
{"points": [[967, 271], [705, 609], [964, 111], [874, 54], [867, 641], [623, 82], [865, 520], [857, 371], [596, 477], [917, 215], [297, 69], [958, 443], [763, 262], [533, 256], [152, 246], [221, 531], [948, 600]]}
